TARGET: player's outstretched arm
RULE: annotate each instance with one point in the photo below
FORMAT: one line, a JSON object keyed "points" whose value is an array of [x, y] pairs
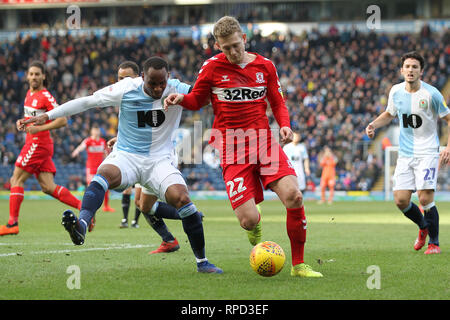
{"points": [[37, 120], [67, 109], [78, 149], [40, 124], [382, 120]]}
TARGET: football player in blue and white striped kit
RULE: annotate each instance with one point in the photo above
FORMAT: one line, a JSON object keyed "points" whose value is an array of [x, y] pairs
{"points": [[142, 154], [418, 106]]}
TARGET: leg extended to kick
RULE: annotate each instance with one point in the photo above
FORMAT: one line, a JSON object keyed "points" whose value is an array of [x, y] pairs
{"points": [[177, 195], [249, 217], [108, 177], [287, 190]]}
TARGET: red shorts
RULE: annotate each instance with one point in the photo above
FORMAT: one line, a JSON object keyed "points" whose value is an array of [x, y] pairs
{"points": [[35, 158], [91, 170], [247, 181], [89, 175]]}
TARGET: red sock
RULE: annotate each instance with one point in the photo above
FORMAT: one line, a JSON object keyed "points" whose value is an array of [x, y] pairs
{"points": [[15, 200], [106, 202], [296, 230], [64, 195]]}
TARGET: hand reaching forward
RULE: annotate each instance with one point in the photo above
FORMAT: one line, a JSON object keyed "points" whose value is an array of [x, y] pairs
{"points": [[172, 99]]}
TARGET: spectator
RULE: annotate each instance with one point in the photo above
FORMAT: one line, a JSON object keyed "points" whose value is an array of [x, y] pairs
{"points": [[331, 88]]}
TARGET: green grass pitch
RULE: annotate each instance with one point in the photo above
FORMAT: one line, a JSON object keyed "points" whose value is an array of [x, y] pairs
{"points": [[343, 241]]}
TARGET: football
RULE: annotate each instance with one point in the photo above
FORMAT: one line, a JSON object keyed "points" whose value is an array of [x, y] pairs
{"points": [[267, 258]]}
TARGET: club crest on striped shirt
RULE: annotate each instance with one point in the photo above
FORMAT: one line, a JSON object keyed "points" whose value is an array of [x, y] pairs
{"points": [[423, 103], [260, 77]]}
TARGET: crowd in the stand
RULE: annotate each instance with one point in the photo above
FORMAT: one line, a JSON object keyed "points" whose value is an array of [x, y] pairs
{"points": [[334, 84]]}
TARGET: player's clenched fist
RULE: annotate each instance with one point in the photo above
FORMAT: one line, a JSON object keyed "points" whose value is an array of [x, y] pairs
{"points": [[370, 130], [173, 99], [286, 135]]}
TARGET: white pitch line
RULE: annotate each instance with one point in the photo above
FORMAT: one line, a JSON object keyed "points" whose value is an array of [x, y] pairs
{"points": [[119, 247]]}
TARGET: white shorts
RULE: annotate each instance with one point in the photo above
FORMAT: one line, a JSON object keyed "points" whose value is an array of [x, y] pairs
{"points": [[301, 179], [416, 173], [154, 175]]}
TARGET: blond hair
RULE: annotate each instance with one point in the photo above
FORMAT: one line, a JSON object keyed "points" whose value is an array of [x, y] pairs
{"points": [[226, 26]]}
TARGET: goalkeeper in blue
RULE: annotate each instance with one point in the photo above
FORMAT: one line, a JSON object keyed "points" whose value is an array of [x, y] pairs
{"points": [[418, 106], [143, 153]]}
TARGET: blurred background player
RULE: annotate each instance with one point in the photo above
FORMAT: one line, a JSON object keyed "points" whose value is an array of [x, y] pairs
{"points": [[418, 106], [240, 107], [159, 210], [96, 150], [328, 163], [298, 155], [36, 155]]}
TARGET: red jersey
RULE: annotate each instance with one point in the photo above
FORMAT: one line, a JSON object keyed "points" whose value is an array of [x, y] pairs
{"points": [[238, 95], [95, 152], [36, 104]]}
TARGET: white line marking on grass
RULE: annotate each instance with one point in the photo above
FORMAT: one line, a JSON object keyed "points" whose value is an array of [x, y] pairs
{"points": [[117, 247], [11, 244], [40, 243]]}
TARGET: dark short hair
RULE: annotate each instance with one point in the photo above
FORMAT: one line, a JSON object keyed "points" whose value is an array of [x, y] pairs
{"points": [[130, 64], [41, 65], [156, 63], [414, 55]]}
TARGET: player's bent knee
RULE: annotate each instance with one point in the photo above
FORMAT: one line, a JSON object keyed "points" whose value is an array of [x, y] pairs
{"points": [[177, 196], [294, 199], [179, 200], [111, 174], [401, 203], [425, 197], [46, 190], [247, 225], [183, 200]]}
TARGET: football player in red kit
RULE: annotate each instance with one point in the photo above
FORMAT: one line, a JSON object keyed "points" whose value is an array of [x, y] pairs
{"points": [[237, 83], [36, 155], [96, 150]]}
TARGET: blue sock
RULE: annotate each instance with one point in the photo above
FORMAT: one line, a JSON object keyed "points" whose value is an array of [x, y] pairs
{"points": [[92, 200], [413, 213], [432, 218], [193, 227], [159, 226], [166, 211]]}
